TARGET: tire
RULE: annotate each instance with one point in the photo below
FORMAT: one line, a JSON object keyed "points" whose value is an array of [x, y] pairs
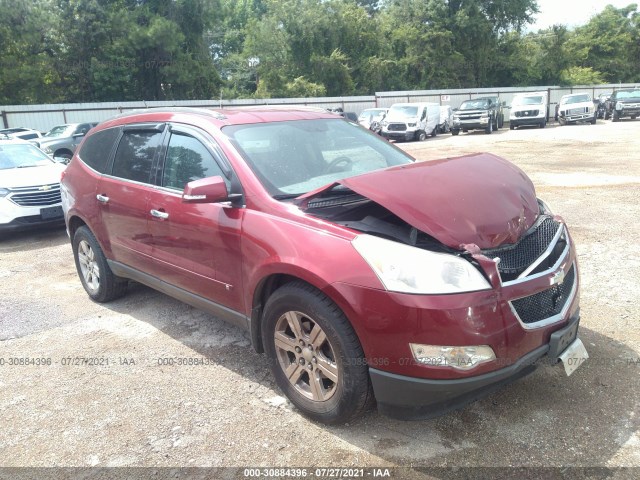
{"points": [[455, 131], [543, 124], [501, 122], [435, 131], [98, 280], [331, 376], [593, 121], [606, 115], [66, 155], [616, 116], [511, 126], [421, 136], [489, 129]]}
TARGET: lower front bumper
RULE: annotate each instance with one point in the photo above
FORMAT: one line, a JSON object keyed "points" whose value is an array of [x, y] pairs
{"points": [[399, 135], [410, 398], [529, 121]]}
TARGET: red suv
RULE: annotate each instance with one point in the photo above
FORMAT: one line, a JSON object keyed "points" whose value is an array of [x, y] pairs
{"points": [[361, 273]]}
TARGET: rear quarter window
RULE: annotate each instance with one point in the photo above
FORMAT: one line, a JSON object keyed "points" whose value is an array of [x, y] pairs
{"points": [[97, 148]]}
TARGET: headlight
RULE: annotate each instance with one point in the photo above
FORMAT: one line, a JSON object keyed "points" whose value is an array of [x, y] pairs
{"points": [[460, 358], [406, 269], [619, 106], [3, 192], [48, 150], [411, 124]]}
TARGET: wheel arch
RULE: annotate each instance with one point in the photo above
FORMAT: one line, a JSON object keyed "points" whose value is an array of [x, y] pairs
{"points": [[272, 282]]}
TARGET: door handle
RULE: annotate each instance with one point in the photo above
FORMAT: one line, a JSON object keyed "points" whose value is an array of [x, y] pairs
{"points": [[159, 214], [102, 198]]}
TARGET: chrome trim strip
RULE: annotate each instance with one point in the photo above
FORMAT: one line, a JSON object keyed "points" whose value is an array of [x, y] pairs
{"points": [[544, 254], [563, 257], [554, 318]]}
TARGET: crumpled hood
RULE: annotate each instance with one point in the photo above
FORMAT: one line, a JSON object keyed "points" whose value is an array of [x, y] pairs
{"points": [[476, 199]]}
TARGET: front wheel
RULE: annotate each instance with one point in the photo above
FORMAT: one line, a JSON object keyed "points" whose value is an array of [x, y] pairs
{"points": [[543, 124], [616, 116], [421, 136], [455, 131], [315, 355], [435, 131], [100, 283], [489, 129], [511, 126]]}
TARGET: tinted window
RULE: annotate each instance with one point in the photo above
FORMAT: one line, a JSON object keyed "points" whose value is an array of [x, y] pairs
{"points": [[187, 160], [96, 149], [135, 154]]}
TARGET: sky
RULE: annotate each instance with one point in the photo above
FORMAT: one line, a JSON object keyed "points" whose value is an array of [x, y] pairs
{"points": [[572, 12]]}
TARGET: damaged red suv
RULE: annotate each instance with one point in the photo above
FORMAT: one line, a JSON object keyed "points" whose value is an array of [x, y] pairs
{"points": [[363, 275]]}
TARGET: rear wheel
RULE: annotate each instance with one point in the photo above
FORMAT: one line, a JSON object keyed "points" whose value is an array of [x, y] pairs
{"points": [[96, 276], [315, 355], [435, 131]]}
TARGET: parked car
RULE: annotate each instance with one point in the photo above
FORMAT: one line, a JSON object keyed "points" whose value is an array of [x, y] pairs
{"points": [[446, 119], [21, 133], [601, 104], [624, 103], [29, 186], [371, 115], [529, 109], [62, 140], [358, 271], [576, 107], [483, 113], [411, 121]]}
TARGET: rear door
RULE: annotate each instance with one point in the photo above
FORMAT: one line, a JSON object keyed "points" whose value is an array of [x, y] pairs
{"points": [[122, 195], [195, 246]]}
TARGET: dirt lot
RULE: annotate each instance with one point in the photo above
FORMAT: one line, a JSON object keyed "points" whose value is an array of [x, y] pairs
{"points": [[135, 412]]}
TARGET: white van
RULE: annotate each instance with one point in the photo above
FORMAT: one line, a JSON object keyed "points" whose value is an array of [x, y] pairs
{"points": [[529, 108], [411, 121]]}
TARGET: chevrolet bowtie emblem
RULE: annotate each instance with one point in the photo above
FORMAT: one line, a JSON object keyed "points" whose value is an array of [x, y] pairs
{"points": [[44, 188], [557, 278]]}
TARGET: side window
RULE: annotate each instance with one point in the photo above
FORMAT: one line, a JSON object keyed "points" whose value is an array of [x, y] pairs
{"points": [[187, 160], [96, 149], [134, 157]]}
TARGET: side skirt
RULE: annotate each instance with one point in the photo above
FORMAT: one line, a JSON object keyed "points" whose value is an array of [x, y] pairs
{"points": [[220, 311]]}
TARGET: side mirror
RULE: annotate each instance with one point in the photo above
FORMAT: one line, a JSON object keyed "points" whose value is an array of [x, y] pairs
{"points": [[206, 190], [79, 135]]}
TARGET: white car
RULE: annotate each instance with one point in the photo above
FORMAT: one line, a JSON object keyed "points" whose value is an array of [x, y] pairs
{"points": [[577, 107], [370, 115], [529, 109], [29, 186], [21, 132]]}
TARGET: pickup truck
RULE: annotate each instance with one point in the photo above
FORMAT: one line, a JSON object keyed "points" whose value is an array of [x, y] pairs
{"points": [[478, 114]]}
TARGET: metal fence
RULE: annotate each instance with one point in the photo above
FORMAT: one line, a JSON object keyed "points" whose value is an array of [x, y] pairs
{"points": [[44, 117]]}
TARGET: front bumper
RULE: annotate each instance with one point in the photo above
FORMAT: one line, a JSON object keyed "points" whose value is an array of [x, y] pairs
{"points": [[526, 121], [399, 135], [409, 398], [584, 117], [629, 111], [16, 218], [479, 124]]}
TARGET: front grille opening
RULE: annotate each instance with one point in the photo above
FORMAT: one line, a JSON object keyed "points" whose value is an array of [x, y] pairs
{"points": [[516, 258], [547, 303]]}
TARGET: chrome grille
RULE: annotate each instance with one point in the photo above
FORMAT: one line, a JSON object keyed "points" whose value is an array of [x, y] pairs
{"points": [[546, 304], [40, 196], [516, 258], [528, 113]]}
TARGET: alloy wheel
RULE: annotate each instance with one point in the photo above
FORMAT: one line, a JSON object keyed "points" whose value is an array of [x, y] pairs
{"points": [[88, 265], [306, 356]]}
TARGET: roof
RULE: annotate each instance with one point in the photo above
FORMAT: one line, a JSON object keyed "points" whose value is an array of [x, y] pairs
{"points": [[221, 117]]}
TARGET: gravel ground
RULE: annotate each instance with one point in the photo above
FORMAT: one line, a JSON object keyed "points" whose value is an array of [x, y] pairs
{"points": [[227, 411]]}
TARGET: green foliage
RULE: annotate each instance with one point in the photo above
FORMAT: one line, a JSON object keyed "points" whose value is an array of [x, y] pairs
{"points": [[118, 50], [580, 76]]}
